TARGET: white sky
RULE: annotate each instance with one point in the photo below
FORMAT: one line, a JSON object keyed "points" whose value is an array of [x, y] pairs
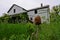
{"points": [[27, 4]]}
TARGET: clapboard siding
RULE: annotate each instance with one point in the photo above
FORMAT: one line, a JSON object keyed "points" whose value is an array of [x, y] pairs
{"points": [[43, 13]]}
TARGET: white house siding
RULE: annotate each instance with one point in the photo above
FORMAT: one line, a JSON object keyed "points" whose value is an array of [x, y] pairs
{"points": [[30, 15], [43, 13], [18, 10]]}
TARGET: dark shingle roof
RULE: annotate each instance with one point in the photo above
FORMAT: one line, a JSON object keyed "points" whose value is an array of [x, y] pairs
{"points": [[39, 8]]}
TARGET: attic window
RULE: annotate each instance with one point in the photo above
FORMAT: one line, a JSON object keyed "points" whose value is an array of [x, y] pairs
{"points": [[35, 11], [14, 10]]}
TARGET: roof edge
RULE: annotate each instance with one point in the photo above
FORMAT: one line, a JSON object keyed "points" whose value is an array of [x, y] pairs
{"points": [[17, 6], [47, 6]]}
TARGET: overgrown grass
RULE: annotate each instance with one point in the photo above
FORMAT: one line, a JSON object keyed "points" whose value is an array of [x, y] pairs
{"points": [[22, 31], [50, 32]]}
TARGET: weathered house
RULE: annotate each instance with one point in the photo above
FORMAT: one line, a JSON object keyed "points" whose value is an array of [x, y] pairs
{"points": [[42, 11]]}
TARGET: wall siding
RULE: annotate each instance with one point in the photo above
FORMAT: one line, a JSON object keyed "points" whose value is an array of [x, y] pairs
{"points": [[43, 13], [18, 10]]}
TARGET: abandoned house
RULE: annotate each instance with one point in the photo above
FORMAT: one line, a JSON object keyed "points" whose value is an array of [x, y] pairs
{"points": [[42, 11]]}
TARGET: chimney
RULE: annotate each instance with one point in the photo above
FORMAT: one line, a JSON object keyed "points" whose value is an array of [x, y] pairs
{"points": [[41, 5]]}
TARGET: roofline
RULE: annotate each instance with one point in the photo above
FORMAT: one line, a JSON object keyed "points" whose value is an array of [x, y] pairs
{"points": [[13, 6], [47, 6]]}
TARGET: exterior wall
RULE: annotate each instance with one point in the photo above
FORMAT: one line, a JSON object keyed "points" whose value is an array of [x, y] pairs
{"points": [[18, 10], [31, 15], [43, 13]]}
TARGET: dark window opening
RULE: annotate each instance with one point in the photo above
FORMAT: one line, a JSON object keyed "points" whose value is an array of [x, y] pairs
{"points": [[30, 18], [14, 10], [35, 11]]}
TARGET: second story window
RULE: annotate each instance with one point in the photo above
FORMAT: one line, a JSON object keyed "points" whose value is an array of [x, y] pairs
{"points": [[14, 10], [35, 11]]}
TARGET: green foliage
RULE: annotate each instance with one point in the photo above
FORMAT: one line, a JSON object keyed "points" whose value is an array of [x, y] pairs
{"points": [[24, 16], [50, 31], [56, 9], [15, 31], [4, 18], [18, 18], [23, 31]]}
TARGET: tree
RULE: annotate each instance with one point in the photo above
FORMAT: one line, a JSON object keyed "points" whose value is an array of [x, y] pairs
{"points": [[56, 9], [54, 14]]}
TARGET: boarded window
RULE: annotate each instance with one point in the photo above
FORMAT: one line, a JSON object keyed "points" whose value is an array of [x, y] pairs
{"points": [[14, 10], [35, 11]]}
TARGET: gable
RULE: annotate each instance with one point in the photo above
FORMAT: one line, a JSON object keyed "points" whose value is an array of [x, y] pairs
{"points": [[15, 9]]}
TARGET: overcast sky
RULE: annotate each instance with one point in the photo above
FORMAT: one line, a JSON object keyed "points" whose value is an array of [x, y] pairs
{"points": [[27, 4]]}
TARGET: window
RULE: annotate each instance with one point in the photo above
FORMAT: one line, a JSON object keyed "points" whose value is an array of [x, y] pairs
{"points": [[14, 10], [35, 11], [30, 18]]}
